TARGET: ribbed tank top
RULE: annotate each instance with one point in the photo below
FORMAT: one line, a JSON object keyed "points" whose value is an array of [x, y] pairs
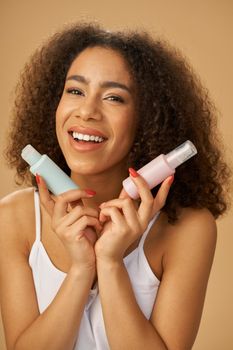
{"points": [[48, 279]]}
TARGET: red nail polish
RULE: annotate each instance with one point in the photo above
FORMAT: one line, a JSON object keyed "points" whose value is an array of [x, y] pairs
{"points": [[90, 192], [38, 179], [133, 172]]}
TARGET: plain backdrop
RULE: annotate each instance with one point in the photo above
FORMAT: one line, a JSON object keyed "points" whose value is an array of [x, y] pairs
{"points": [[203, 31]]}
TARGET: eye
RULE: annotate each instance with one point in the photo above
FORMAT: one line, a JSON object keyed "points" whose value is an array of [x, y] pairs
{"points": [[115, 98], [74, 91]]}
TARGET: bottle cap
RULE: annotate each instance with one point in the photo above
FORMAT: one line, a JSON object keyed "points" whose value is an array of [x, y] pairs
{"points": [[30, 155], [180, 154]]}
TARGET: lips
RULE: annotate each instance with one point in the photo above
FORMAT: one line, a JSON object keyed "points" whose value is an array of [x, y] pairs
{"points": [[86, 131]]}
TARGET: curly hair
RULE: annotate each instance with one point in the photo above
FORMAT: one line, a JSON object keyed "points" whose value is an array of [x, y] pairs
{"points": [[172, 107]]}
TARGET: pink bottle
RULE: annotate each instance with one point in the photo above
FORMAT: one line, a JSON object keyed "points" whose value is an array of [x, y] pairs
{"points": [[161, 167]]}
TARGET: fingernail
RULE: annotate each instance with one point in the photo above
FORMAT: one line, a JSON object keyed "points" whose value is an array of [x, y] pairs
{"points": [[133, 172], [170, 181], [90, 192], [38, 179]]}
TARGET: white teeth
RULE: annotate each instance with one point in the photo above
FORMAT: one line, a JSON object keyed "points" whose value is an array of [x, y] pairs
{"points": [[85, 137]]}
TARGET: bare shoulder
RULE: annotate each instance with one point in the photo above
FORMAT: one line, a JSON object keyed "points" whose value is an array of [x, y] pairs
{"points": [[16, 216], [193, 233], [15, 198], [194, 230], [200, 217]]}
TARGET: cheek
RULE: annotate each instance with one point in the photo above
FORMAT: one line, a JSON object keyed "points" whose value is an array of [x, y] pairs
{"points": [[61, 107], [126, 133], [60, 115], [59, 118], [127, 127]]}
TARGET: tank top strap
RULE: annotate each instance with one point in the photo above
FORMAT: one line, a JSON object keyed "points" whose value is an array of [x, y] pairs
{"points": [[37, 215], [143, 238]]}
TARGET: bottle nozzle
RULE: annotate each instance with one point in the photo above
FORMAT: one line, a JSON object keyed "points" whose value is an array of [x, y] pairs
{"points": [[180, 154]]}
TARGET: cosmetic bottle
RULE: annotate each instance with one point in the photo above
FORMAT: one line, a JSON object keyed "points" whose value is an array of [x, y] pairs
{"points": [[161, 167], [56, 179]]}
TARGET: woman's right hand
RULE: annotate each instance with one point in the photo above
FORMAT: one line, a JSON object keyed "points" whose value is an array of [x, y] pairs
{"points": [[73, 223]]}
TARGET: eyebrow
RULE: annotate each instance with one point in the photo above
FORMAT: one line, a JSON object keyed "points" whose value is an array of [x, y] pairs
{"points": [[104, 84]]}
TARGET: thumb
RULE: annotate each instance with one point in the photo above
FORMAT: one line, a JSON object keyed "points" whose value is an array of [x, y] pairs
{"points": [[123, 194]]}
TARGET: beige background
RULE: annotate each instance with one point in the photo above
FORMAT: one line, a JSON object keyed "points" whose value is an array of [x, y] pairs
{"points": [[203, 31]]}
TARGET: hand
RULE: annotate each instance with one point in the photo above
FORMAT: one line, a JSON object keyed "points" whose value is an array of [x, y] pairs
{"points": [[128, 221], [72, 223]]}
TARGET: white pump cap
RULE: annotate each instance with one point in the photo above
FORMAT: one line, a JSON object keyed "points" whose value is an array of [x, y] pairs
{"points": [[180, 154]]}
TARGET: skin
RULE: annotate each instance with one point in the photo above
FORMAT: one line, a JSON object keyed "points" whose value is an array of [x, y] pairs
{"points": [[92, 103], [180, 255]]}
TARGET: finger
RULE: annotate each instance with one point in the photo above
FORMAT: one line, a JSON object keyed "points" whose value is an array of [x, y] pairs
{"points": [[83, 223], [118, 202], [123, 194], [76, 202], [114, 214], [62, 201], [91, 235], [45, 197], [146, 205], [161, 196], [76, 195], [102, 217], [77, 212], [126, 207]]}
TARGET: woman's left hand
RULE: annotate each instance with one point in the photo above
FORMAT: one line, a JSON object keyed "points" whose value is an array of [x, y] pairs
{"points": [[125, 221]]}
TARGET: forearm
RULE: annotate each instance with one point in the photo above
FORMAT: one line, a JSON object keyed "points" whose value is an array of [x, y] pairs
{"points": [[57, 327], [126, 326]]}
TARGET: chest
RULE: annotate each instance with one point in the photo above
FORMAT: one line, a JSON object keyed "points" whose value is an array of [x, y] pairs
{"points": [[153, 246], [92, 335]]}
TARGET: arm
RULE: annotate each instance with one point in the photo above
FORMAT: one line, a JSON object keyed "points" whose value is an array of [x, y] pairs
{"points": [[187, 263], [126, 326], [57, 327], [187, 260], [176, 316]]}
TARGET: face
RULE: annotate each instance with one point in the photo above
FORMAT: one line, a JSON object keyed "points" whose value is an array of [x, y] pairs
{"points": [[96, 116]]}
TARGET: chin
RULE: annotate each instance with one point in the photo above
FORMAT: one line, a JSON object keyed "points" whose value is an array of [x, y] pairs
{"points": [[83, 168]]}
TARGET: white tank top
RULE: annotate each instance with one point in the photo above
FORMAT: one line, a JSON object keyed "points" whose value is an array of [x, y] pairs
{"points": [[48, 279]]}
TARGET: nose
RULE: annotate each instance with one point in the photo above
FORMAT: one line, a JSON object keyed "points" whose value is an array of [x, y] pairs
{"points": [[89, 109]]}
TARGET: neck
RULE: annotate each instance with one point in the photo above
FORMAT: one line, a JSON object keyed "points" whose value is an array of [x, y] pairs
{"points": [[107, 185]]}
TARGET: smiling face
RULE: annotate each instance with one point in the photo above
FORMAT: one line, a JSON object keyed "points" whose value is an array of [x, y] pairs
{"points": [[96, 116]]}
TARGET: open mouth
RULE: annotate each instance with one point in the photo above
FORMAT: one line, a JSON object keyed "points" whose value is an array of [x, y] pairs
{"points": [[84, 138]]}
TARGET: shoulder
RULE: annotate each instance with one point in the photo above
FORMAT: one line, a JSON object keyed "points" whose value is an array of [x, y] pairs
{"points": [[17, 205], [193, 235], [16, 216], [193, 225], [196, 223], [16, 197]]}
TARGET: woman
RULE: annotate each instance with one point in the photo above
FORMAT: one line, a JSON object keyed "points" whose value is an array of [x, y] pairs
{"points": [[92, 268]]}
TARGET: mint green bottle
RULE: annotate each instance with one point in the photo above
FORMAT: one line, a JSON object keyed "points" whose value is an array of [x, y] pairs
{"points": [[56, 179]]}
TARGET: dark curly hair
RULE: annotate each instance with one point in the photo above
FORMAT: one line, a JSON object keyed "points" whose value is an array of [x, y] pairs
{"points": [[172, 107]]}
